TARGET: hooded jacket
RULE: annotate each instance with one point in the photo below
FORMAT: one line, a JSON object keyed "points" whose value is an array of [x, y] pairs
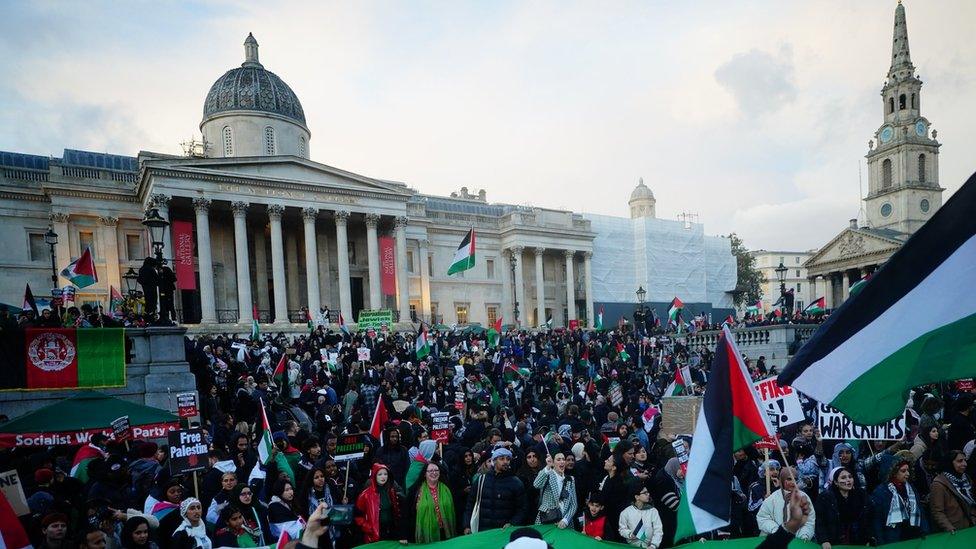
{"points": [[395, 458], [368, 505], [502, 501]]}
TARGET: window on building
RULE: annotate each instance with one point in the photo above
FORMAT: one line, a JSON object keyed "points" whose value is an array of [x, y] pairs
{"points": [[886, 173], [492, 314], [901, 102], [796, 260], [413, 311], [39, 250], [490, 266], [228, 141], [410, 261], [891, 105], [133, 247], [547, 273], [269, 141], [86, 239], [433, 312], [461, 309], [921, 168], [301, 147], [799, 287], [430, 263], [798, 273], [352, 252]]}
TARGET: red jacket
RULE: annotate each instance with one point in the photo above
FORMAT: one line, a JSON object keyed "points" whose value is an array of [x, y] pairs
{"points": [[368, 505], [594, 528]]}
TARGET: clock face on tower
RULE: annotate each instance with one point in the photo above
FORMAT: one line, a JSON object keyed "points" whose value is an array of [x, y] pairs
{"points": [[886, 134], [920, 128]]}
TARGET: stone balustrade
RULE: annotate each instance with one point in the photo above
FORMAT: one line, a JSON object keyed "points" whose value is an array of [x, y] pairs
{"points": [[773, 342]]}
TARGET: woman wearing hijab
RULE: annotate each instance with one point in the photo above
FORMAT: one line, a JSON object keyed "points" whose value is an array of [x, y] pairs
{"points": [[282, 511], [428, 512], [233, 533], [773, 512], [378, 507], [423, 456], [897, 513], [846, 456], [557, 493], [253, 513], [530, 468], [666, 490], [616, 492], [460, 480], [842, 512], [192, 532], [952, 498], [136, 534]]}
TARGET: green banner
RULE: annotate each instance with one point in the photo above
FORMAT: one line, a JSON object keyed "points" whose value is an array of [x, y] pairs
{"points": [[375, 319]]}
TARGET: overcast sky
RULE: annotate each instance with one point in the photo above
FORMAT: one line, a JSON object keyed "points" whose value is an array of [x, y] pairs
{"points": [[753, 115]]}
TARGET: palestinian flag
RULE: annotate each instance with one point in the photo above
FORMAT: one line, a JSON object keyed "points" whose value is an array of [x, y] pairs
{"points": [[622, 352], [494, 333], [255, 330], [598, 325], [678, 385], [343, 327], [914, 324], [81, 272], [29, 303], [421, 344], [859, 285], [12, 533], [816, 307], [674, 310], [380, 417], [729, 321], [464, 256], [280, 375], [64, 358], [265, 445], [84, 456], [755, 308], [115, 302], [731, 417], [511, 373]]}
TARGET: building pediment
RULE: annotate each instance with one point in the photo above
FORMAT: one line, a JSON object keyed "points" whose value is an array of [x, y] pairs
{"points": [[852, 247]]}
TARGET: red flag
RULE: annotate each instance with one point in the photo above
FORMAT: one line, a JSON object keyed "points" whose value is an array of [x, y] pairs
{"points": [[380, 417], [283, 539], [280, 374], [12, 534]]}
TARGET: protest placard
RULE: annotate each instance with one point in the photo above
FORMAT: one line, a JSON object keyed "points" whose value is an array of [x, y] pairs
{"points": [[834, 425], [782, 403], [459, 400], [188, 451], [679, 414], [374, 320], [350, 447], [363, 354], [121, 430], [440, 427], [186, 404], [14, 492]]}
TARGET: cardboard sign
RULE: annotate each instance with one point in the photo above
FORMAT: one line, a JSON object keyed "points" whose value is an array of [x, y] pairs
{"points": [[834, 425], [966, 385], [766, 443], [121, 430], [188, 451], [459, 400], [350, 447], [440, 427], [679, 414], [782, 403], [14, 492], [363, 354], [186, 404], [616, 394]]}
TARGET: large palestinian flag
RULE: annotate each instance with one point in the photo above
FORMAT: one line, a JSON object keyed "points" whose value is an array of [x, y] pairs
{"points": [[81, 272], [62, 358], [731, 417], [674, 310], [914, 324], [464, 256], [421, 344]]}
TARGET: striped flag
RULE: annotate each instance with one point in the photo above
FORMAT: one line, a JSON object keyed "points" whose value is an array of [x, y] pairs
{"points": [[913, 324], [115, 302], [343, 327], [731, 417], [255, 330], [380, 417], [30, 304], [598, 325], [81, 272], [421, 344], [675, 310], [12, 533], [84, 456], [816, 307], [464, 256], [682, 379]]}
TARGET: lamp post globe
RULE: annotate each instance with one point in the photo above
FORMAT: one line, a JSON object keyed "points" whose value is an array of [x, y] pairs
{"points": [[156, 225], [51, 239]]}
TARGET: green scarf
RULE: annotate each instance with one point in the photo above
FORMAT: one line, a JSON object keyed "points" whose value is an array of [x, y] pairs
{"points": [[427, 527]]}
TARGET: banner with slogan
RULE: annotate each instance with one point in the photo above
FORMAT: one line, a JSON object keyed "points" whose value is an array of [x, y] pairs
{"points": [[375, 319], [387, 266], [188, 451], [350, 447], [62, 358], [74, 438], [183, 255], [782, 403], [834, 425]]}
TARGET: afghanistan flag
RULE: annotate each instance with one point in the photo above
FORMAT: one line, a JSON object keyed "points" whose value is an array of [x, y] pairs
{"points": [[598, 325], [913, 324], [421, 345], [63, 358], [816, 307], [464, 256], [674, 310], [81, 272], [731, 417]]}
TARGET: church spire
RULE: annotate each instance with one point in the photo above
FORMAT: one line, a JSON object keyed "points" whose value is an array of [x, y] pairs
{"points": [[901, 59], [251, 52]]}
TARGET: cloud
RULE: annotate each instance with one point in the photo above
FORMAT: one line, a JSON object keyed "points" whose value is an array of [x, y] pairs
{"points": [[760, 82]]}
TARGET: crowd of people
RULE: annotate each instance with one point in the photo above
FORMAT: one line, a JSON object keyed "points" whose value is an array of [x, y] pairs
{"points": [[559, 427]]}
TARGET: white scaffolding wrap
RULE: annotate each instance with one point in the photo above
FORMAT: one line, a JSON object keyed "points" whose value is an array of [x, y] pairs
{"points": [[668, 258]]}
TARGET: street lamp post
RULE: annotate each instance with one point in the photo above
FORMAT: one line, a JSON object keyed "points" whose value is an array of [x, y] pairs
{"points": [[130, 277], [156, 225], [781, 275], [51, 239], [512, 261], [640, 317]]}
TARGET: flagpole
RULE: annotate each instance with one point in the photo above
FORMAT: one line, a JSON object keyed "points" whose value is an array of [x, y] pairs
{"points": [[766, 470]]}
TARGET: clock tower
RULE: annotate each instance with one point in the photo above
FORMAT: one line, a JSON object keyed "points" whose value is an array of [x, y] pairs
{"points": [[903, 157]]}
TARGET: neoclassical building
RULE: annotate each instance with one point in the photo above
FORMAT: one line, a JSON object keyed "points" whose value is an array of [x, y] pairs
{"points": [[903, 183], [272, 229]]}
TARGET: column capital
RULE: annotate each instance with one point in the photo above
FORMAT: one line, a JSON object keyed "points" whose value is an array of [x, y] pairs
{"points": [[539, 251], [516, 250], [275, 211], [59, 217], [310, 214], [108, 220], [423, 243], [341, 217], [159, 200], [372, 220], [239, 208], [400, 222], [201, 205], [569, 253], [587, 255]]}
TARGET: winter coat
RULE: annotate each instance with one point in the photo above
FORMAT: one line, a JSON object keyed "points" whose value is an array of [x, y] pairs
{"points": [[828, 527], [880, 505], [502, 501], [368, 506], [548, 483], [772, 515], [650, 523], [949, 510]]}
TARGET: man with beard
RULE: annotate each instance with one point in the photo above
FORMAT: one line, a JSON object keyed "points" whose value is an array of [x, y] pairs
{"points": [[501, 495], [394, 455]]}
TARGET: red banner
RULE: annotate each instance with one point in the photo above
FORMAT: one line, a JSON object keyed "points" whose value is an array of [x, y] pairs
{"points": [[387, 267], [73, 438], [183, 255]]}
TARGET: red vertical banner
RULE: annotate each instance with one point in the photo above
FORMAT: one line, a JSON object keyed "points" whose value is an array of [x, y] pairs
{"points": [[183, 255], [51, 358], [387, 265]]}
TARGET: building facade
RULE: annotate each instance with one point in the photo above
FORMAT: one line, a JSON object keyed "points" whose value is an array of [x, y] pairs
{"points": [[767, 261], [276, 231], [903, 182]]}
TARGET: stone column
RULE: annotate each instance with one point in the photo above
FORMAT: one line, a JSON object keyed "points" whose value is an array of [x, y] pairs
{"points": [[540, 288], [588, 282], [424, 278], [275, 211], [403, 281], [208, 306], [845, 285], [110, 252], [373, 258], [519, 287], [570, 286], [291, 269], [309, 216], [261, 269], [62, 251], [161, 203], [829, 290], [244, 299], [342, 253], [506, 266]]}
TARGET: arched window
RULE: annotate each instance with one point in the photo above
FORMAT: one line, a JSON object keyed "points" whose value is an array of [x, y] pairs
{"points": [[914, 102], [269, 141], [921, 168], [891, 105], [886, 173], [228, 141], [901, 102], [301, 147]]}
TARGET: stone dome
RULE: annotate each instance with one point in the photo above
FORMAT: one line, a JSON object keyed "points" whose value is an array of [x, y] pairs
{"points": [[641, 192], [251, 87]]}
